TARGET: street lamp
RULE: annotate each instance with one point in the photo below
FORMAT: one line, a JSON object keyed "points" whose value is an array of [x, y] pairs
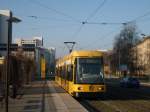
{"points": [[10, 21]]}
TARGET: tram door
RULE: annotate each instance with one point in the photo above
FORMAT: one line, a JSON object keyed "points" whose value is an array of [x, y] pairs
{"points": [[61, 73], [63, 79], [67, 75]]}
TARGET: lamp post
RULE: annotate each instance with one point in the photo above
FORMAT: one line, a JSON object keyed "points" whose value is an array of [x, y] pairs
{"points": [[10, 21]]}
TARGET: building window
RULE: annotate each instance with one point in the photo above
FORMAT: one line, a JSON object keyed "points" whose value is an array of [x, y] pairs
{"points": [[148, 45]]}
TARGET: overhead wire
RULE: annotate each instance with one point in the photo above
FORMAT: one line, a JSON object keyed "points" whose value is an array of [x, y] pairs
{"points": [[54, 10], [95, 11], [144, 20], [139, 17], [47, 18], [77, 46], [62, 51], [106, 23], [89, 17], [116, 23], [123, 23], [68, 16], [76, 33], [104, 37]]}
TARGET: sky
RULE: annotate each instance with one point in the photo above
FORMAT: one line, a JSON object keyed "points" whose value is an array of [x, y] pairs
{"points": [[58, 21]]}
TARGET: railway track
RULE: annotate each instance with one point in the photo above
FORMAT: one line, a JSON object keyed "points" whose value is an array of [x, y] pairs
{"points": [[119, 99], [88, 106], [116, 105]]}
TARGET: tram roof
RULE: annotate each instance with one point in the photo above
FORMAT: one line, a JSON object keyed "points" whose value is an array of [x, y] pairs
{"points": [[81, 53], [90, 53]]}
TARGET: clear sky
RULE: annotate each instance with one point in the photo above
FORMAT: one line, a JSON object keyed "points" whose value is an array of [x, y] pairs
{"points": [[61, 20]]}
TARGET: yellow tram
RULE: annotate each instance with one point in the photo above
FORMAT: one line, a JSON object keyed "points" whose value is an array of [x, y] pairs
{"points": [[81, 73]]}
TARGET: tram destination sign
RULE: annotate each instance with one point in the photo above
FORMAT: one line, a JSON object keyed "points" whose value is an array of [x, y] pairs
{"points": [[90, 60]]}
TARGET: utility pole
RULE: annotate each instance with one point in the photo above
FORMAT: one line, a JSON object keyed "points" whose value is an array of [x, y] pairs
{"points": [[70, 45], [10, 21], [8, 60], [119, 61]]}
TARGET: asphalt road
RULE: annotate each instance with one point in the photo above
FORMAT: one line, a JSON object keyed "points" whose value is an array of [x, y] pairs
{"points": [[118, 99]]}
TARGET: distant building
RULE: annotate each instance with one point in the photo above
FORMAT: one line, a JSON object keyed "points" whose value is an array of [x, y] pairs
{"points": [[52, 56], [37, 41], [142, 53], [106, 61], [49, 56], [29, 45], [52, 59]]}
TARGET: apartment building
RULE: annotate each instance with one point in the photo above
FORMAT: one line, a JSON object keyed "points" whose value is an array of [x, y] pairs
{"points": [[143, 55], [37, 41], [29, 45]]}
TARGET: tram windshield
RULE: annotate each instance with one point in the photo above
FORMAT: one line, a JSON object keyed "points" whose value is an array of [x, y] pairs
{"points": [[89, 70]]}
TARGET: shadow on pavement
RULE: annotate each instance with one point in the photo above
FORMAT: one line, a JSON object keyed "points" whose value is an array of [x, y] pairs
{"points": [[38, 89]]}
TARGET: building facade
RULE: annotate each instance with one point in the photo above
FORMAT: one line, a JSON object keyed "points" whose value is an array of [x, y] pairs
{"points": [[4, 16], [142, 52], [28, 46], [45, 57], [37, 41]]}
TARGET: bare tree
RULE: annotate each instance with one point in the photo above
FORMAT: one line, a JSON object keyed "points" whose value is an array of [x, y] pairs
{"points": [[123, 47]]}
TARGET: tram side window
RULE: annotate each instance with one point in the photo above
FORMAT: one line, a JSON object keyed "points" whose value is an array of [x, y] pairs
{"points": [[56, 72], [70, 73], [60, 72], [63, 72]]}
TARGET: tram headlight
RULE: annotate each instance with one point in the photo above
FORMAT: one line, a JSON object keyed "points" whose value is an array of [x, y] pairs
{"points": [[100, 88]]}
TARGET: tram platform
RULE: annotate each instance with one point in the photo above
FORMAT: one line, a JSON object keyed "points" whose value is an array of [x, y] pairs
{"points": [[43, 96]]}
